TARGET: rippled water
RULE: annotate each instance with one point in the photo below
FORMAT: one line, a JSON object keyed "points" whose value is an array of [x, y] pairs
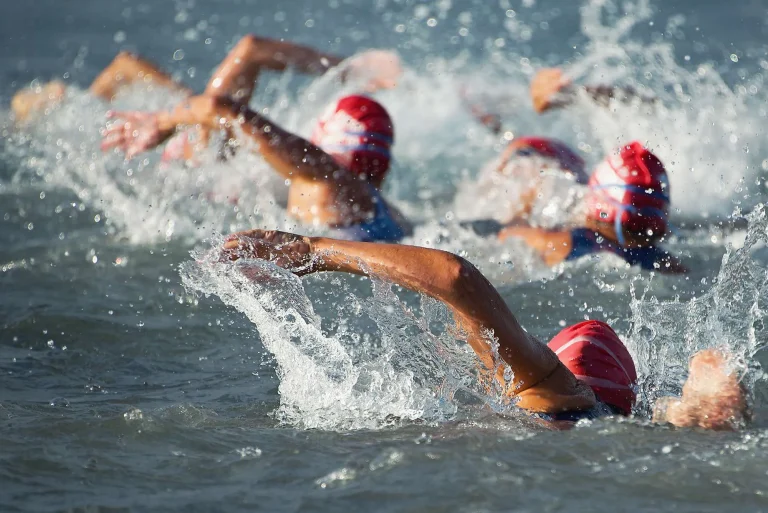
{"points": [[136, 377]]}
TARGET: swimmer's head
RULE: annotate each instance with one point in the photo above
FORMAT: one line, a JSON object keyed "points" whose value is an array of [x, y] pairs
{"points": [[558, 152], [629, 196], [593, 352], [358, 133]]}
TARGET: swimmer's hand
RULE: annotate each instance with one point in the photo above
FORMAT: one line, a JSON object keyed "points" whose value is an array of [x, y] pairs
{"points": [[287, 250], [30, 101], [374, 69], [712, 396], [548, 89], [135, 132]]}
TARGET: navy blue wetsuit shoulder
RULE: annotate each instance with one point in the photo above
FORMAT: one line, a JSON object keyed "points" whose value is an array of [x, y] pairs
{"points": [[585, 242], [382, 227]]}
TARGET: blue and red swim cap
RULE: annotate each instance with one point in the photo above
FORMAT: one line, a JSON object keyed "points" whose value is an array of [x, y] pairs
{"points": [[358, 133], [630, 189]]}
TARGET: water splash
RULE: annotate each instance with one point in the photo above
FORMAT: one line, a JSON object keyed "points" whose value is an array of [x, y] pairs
{"points": [[699, 128], [381, 363], [730, 315]]}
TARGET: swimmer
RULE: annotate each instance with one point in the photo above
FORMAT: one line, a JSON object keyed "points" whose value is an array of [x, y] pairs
{"points": [[526, 164], [235, 77], [532, 166], [625, 208], [626, 213], [335, 179], [552, 89], [584, 372], [621, 208]]}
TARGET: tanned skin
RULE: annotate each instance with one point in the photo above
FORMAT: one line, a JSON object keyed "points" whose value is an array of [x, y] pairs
{"points": [[540, 382]]}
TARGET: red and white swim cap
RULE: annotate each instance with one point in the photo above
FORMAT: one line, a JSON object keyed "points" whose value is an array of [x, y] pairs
{"points": [[593, 352], [631, 190], [358, 133], [552, 149]]}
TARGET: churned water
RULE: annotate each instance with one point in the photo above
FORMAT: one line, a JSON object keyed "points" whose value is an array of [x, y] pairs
{"points": [[137, 375]]}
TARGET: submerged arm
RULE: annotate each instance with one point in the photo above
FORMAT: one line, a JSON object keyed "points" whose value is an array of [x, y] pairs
{"points": [[490, 120]]}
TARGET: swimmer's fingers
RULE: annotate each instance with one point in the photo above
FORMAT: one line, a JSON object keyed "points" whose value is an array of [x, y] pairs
{"points": [[547, 87], [114, 137], [254, 234], [112, 141], [117, 134], [287, 250], [127, 115], [272, 236], [237, 247], [250, 244]]}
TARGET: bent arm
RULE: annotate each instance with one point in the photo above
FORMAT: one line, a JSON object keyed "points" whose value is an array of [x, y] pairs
{"points": [[550, 89], [290, 155], [554, 247], [237, 74], [477, 307]]}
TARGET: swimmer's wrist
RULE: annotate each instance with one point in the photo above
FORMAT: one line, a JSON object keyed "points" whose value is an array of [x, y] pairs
{"points": [[165, 122], [317, 245]]}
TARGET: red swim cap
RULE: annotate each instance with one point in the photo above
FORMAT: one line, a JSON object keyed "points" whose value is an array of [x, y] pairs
{"points": [[631, 190], [551, 149], [593, 352], [358, 133]]}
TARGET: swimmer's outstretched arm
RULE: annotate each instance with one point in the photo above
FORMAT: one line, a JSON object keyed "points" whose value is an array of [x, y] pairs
{"points": [[554, 246], [127, 68], [712, 396], [550, 89], [237, 74], [540, 381]]}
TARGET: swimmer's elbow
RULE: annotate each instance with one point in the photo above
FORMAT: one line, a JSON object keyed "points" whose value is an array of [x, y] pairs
{"points": [[252, 45], [462, 278]]}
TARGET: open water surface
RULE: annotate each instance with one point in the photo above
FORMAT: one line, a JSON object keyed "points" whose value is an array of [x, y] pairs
{"points": [[136, 377]]}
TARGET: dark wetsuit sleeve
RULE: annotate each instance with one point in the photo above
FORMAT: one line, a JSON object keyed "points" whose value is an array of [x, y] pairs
{"points": [[647, 258], [583, 242]]}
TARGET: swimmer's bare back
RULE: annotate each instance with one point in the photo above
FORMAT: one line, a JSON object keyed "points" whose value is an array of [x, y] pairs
{"points": [[712, 397]]}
